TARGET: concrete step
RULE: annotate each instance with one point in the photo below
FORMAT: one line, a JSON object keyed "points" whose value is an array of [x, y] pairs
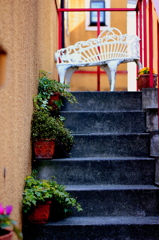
{"points": [[109, 172], [104, 101], [116, 200], [105, 122], [72, 171], [96, 228], [111, 145]]}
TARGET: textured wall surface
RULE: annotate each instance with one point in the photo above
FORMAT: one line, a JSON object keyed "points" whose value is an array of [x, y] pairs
{"points": [[88, 82], [28, 35]]}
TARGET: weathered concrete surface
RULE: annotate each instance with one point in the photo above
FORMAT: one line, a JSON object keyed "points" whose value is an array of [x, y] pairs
{"points": [[157, 171], [109, 122], [154, 143], [106, 172], [111, 145], [151, 119], [149, 98], [78, 228], [105, 101], [97, 170]]}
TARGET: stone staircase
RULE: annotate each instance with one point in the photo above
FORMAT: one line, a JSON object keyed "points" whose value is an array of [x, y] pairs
{"points": [[110, 171]]}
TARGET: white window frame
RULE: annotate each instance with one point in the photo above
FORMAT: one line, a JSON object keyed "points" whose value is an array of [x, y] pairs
{"points": [[87, 15]]}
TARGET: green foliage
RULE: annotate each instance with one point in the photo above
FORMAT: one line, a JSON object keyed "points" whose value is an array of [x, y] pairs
{"points": [[44, 126], [48, 87], [41, 190], [41, 103]]}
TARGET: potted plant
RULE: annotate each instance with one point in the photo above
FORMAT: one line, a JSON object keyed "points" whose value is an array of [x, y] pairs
{"points": [[38, 192], [46, 131], [6, 223], [143, 81], [51, 90]]}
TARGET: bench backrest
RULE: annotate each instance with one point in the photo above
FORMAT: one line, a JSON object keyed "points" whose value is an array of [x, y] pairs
{"points": [[110, 44]]}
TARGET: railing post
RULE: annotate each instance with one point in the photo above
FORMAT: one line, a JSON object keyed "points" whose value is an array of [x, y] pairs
{"points": [[145, 32], [59, 30], [137, 22], [137, 33], [158, 68], [98, 68], [140, 29], [151, 43]]}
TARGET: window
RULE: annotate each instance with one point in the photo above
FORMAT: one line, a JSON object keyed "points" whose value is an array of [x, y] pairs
{"points": [[91, 17]]}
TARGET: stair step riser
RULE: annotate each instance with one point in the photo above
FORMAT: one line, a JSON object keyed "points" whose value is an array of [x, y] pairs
{"points": [[105, 101], [115, 195], [93, 232], [105, 122], [72, 172], [113, 145], [130, 202]]}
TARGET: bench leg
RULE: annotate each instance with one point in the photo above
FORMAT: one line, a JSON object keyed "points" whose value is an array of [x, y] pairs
{"points": [[139, 64], [69, 73], [62, 72], [65, 73], [110, 69]]}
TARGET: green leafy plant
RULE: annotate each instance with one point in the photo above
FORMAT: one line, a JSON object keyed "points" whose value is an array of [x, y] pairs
{"points": [[46, 127], [42, 190], [41, 103], [6, 221], [48, 87]]}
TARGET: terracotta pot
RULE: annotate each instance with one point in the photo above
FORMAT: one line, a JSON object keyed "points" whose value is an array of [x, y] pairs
{"points": [[6, 234], [40, 213], [44, 149], [53, 98], [144, 81]]}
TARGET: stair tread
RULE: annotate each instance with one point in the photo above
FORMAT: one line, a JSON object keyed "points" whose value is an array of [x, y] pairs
{"points": [[101, 159], [105, 100], [121, 220], [109, 170], [110, 187], [108, 134], [106, 111]]}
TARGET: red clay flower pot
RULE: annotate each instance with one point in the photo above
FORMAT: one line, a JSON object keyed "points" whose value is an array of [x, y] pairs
{"points": [[40, 213], [5, 234], [144, 79], [53, 98], [44, 149]]}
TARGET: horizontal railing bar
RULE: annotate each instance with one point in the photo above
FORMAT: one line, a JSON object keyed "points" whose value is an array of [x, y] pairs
{"points": [[81, 71], [94, 9]]}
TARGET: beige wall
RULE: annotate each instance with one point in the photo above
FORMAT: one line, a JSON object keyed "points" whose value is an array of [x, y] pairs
{"points": [[28, 35], [88, 82]]}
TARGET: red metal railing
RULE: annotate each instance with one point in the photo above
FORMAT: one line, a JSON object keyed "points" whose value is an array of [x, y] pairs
{"points": [[146, 34], [141, 28], [145, 11], [98, 10]]}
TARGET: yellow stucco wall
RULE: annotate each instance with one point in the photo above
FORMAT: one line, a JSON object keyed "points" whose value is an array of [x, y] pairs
{"points": [[28, 35], [88, 82], [155, 40], [155, 22]]}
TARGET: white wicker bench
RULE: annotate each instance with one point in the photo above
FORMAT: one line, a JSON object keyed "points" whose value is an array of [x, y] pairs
{"points": [[107, 51]]}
